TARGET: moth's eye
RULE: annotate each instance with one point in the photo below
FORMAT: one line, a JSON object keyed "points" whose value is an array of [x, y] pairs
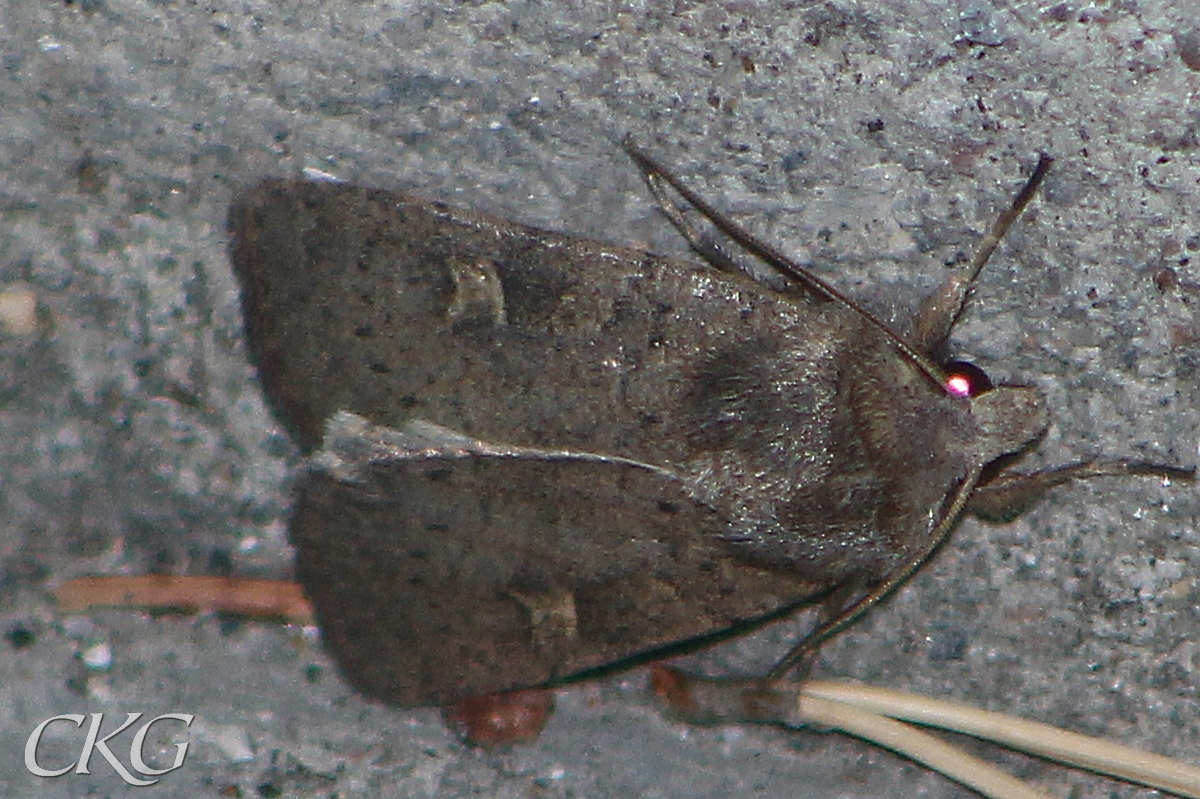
{"points": [[966, 379]]}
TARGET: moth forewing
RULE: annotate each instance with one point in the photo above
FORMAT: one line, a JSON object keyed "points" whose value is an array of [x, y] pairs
{"points": [[438, 576]]}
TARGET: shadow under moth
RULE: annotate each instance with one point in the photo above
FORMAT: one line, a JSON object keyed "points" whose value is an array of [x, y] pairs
{"points": [[533, 456]]}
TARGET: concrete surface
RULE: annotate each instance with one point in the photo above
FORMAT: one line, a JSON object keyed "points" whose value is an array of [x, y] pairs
{"points": [[876, 140]]}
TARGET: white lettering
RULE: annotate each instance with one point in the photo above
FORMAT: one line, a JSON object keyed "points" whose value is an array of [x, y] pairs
{"points": [[31, 746], [139, 740], [93, 742]]}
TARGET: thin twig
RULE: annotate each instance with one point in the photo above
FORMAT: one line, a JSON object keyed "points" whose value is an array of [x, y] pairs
{"points": [[276, 598]]}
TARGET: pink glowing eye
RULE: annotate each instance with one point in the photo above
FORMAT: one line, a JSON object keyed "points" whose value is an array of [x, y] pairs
{"points": [[958, 385], [965, 379]]}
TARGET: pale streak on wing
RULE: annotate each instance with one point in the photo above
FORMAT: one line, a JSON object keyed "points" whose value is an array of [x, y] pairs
{"points": [[351, 443]]}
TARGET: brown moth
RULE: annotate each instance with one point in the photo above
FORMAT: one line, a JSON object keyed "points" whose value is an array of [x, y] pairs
{"points": [[534, 456]]}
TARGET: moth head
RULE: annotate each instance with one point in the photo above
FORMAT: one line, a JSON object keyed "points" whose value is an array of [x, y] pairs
{"points": [[1009, 418]]}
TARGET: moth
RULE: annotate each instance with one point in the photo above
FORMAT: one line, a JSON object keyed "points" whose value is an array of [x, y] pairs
{"points": [[533, 456]]}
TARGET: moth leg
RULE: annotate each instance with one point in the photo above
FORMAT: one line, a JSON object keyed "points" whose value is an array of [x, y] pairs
{"points": [[1008, 495], [701, 243], [1003, 498], [836, 609], [859, 598], [721, 700], [941, 310], [776, 271]]}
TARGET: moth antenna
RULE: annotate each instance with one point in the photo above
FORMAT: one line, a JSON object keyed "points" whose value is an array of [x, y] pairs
{"points": [[1000, 500], [941, 311], [1007, 495], [656, 175]]}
